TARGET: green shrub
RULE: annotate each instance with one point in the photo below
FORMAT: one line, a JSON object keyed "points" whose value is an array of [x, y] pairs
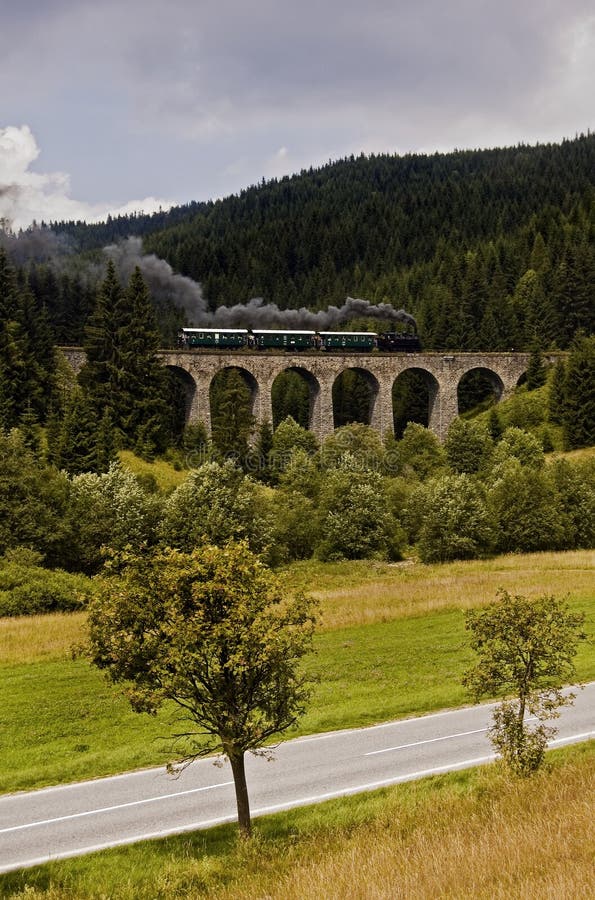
{"points": [[27, 590]]}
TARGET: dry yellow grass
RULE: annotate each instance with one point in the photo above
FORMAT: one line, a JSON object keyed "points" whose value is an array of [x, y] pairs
{"points": [[396, 591], [411, 588], [511, 839], [25, 639]]}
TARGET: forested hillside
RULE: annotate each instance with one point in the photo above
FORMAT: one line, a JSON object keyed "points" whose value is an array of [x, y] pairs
{"points": [[490, 249]]}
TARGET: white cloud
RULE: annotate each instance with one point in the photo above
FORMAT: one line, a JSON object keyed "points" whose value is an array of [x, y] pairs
{"points": [[27, 196]]}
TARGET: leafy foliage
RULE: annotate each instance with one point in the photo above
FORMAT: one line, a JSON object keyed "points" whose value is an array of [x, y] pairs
{"points": [[109, 511], [526, 651], [212, 631], [455, 522], [27, 588], [217, 503], [355, 518]]}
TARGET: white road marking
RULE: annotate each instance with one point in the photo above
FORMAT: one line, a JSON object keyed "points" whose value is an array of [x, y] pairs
{"points": [[209, 823], [571, 739], [445, 737], [303, 801], [104, 809]]}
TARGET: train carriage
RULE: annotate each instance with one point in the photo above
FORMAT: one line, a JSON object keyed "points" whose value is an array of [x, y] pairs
{"points": [[219, 338], [348, 340], [268, 339]]}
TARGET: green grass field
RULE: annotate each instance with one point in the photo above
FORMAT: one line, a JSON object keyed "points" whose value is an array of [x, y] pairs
{"points": [[392, 644], [476, 834]]}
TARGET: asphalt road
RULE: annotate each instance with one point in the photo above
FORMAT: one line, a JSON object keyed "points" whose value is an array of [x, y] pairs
{"points": [[74, 819]]}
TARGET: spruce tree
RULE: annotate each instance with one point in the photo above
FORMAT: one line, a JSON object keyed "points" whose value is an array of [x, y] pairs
{"points": [[557, 393], [101, 375], [536, 372], [579, 406], [77, 446], [143, 382], [122, 375]]}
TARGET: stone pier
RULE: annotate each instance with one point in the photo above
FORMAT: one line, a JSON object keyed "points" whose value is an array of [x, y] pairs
{"points": [[442, 373]]}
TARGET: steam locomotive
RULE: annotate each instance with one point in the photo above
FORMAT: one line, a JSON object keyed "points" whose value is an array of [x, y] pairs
{"points": [[268, 339]]}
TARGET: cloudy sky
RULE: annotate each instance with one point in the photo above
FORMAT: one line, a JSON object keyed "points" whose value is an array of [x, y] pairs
{"points": [[116, 105]]}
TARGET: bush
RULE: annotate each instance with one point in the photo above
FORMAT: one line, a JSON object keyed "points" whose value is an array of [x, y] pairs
{"points": [[419, 452], [355, 520], [526, 510], [360, 441], [468, 446], [455, 522], [109, 510], [217, 503], [27, 589]]}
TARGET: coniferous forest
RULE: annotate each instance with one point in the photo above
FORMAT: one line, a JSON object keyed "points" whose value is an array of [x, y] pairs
{"points": [[489, 249]]}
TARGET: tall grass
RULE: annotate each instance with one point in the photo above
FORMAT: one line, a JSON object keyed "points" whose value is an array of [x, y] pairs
{"points": [[27, 639], [362, 593]]}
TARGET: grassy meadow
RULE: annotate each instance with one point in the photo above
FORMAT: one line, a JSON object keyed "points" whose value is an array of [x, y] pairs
{"points": [[475, 834], [392, 643]]}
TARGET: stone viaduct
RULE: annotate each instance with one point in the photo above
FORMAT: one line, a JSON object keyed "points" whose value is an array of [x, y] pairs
{"points": [[442, 373]]}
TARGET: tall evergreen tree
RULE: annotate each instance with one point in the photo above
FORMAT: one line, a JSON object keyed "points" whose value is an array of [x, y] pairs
{"points": [[536, 373], [101, 375], [143, 382], [579, 405], [122, 375], [557, 393]]}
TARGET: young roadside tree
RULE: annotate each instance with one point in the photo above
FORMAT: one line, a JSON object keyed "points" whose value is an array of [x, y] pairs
{"points": [[526, 649], [214, 632]]}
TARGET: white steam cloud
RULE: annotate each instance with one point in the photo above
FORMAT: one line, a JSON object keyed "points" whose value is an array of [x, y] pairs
{"points": [[27, 196]]}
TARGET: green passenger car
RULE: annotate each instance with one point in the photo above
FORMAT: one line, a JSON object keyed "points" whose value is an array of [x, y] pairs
{"points": [[228, 338], [266, 339], [348, 340]]}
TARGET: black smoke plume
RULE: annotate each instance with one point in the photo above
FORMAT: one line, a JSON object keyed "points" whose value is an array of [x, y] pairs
{"points": [[165, 285]]}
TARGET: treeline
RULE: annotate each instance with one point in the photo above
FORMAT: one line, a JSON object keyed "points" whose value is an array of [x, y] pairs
{"points": [[490, 249], [354, 497]]}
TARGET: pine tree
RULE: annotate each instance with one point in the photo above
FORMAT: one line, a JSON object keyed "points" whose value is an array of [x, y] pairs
{"points": [[557, 393], [122, 375], [536, 372], [77, 446], [101, 375], [579, 405], [143, 383]]}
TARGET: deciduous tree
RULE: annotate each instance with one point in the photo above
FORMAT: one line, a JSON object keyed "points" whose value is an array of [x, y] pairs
{"points": [[214, 632], [526, 649]]}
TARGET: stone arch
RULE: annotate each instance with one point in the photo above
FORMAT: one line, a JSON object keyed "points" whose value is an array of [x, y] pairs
{"points": [[474, 386], [186, 395], [249, 380], [313, 389], [363, 407], [414, 408]]}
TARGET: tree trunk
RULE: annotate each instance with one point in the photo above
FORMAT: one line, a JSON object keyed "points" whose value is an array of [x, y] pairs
{"points": [[241, 788]]}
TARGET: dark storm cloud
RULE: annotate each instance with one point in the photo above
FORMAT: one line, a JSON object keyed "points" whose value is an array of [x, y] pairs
{"points": [[190, 99]]}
